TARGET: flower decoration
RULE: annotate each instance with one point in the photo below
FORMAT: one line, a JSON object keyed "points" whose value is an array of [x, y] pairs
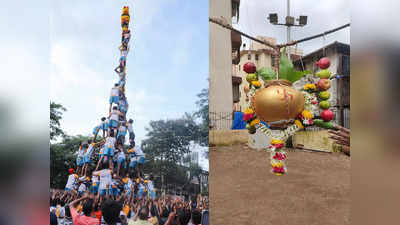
{"points": [[310, 87], [256, 84]]}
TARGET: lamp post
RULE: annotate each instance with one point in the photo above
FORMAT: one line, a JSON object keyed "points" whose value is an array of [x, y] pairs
{"points": [[289, 21]]}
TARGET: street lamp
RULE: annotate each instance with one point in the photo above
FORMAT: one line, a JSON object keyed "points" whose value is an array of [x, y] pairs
{"points": [[289, 20]]}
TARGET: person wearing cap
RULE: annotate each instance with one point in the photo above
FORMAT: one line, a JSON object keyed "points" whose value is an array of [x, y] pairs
{"points": [[71, 182]]}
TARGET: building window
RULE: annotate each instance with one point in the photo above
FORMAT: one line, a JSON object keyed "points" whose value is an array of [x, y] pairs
{"points": [[236, 93], [249, 56], [256, 56], [235, 11]]}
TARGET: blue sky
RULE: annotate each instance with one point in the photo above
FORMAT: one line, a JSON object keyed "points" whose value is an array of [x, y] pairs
{"points": [[166, 67]]}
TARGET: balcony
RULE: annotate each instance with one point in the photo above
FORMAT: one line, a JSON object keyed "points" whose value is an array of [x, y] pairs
{"points": [[236, 39]]}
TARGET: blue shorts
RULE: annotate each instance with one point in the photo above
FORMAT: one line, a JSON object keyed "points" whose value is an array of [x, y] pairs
{"points": [[102, 192], [94, 189], [68, 189], [86, 159], [121, 134], [141, 160], [132, 164], [113, 123], [108, 151], [121, 160], [152, 194], [140, 193], [79, 161], [95, 130], [122, 58], [114, 99], [122, 109], [113, 191], [80, 193]]}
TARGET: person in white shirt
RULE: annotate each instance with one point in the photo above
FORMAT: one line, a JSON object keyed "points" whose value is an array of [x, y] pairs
{"points": [[81, 189], [131, 133], [108, 150], [120, 159], [72, 179], [95, 184], [114, 96], [79, 156], [114, 118], [105, 179]]}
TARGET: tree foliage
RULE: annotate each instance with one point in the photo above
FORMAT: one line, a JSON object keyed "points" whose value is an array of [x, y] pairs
{"points": [[56, 112], [62, 157], [202, 113]]}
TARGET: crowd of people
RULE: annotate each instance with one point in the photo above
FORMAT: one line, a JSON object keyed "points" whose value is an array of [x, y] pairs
{"points": [[126, 210], [115, 190]]}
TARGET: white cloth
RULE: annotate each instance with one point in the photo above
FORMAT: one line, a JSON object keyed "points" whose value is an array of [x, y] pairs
{"points": [[82, 188], [110, 142], [105, 178], [71, 181], [130, 128], [138, 151], [114, 114], [115, 91]]}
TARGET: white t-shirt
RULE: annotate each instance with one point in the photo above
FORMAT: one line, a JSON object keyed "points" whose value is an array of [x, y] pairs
{"points": [[114, 114], [115, 91], [82, 188], [95, 179], [89, 150], [71, 181], [61, 211], [130, 128], [110, 142], [150, 185], [139, 151], [128, 184], [124, 53], [105, 178], [81, 152], [121, 155]]}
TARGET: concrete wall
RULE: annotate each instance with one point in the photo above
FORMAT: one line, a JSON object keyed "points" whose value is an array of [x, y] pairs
{"points": [[220, 47], [317, 140]]}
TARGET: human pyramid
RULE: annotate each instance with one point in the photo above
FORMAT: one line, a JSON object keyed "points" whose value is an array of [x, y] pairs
{"points": [[119, 170]]}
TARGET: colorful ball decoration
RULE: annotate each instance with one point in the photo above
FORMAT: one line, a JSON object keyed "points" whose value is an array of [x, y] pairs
{"points": [[286, 109]]}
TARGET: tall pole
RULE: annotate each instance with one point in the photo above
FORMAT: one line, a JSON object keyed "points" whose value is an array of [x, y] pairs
{"points": [[288, 27]]}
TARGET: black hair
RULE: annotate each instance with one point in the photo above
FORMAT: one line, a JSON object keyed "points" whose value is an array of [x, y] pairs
{"points": [[103, 118], [110, 211], [85, 145], [181, 217], [196, 217], [111, 133], [115, 107], [165, 212], [143, 213], [130, 120], [87, 207], [67, 211], [116, 85]]}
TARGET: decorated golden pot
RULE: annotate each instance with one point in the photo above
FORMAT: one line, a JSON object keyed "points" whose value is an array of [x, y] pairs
{"points": [[277, 103]]}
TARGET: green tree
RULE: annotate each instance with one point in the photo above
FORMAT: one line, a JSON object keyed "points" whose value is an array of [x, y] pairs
{"points": [[202, 113], [56, 112], [167, 142], [62, 157]]}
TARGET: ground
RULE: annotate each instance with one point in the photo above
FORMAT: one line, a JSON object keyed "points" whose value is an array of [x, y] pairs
{"points": [[243, 191]]}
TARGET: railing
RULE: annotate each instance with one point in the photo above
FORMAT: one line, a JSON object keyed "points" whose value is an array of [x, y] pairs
{"points": [[220, 120]]}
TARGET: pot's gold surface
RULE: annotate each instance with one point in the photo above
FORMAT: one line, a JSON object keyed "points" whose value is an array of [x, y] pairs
{"points": [[278, 102]]}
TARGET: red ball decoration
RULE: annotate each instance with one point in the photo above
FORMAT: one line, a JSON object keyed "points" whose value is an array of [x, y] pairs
{"points": [[327, 115], [323, 63], [249, 67]]}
